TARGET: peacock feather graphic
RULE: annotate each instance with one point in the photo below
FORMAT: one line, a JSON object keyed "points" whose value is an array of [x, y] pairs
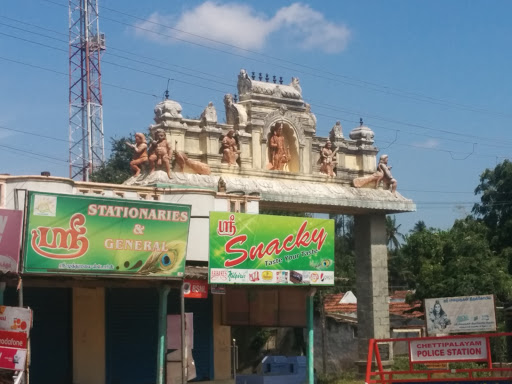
{"points": [[162, 262]]}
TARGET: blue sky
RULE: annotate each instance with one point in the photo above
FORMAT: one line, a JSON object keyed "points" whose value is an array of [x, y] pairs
{"points": [[432, 79]]}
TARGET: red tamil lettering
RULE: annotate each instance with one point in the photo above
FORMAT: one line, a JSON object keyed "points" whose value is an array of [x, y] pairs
{"points": [[65, 239], [240, 239]]}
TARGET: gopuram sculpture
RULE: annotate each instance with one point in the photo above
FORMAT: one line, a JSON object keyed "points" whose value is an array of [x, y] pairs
{"points": [[278, 153], [268, 128], [327, 162], [383, 174], [229, 148], [160, 153], [140, 155]]}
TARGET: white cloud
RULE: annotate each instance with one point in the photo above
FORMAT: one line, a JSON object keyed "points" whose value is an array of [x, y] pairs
{"points": [[429, 143], [242, 26]]}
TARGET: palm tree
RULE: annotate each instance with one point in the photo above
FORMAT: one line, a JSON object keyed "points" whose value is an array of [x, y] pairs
{"points": [[392, 232], [420, 226]]}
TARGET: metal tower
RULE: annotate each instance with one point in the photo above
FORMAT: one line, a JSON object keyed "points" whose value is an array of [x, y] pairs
{"points": [[86, 44]]}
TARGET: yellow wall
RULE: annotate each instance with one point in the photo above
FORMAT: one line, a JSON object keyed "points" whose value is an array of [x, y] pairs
{"points": [[88, 335], [221, 343], [353, 162]]}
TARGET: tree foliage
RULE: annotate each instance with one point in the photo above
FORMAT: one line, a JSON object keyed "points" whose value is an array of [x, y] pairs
{"points": [[456, 262], [495, 207], [116, 169], [392, 233]]}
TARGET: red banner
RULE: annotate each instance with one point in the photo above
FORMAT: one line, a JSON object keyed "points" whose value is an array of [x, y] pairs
{"points": [[12, 339], [10, 237], [196, 289], [13, 358]]}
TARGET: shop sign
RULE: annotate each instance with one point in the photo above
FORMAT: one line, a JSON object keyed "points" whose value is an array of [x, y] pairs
{"points": [[85, 235], [195, 289], [269, 250], [16, 319], [218, 289], [466, 314], [13, 358], [13, 339], [459, 349], [11, 222]]}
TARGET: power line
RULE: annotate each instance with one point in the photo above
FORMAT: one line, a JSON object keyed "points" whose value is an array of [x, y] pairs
{"points": [[33, 153], [32, 133], [149, 94], [322, 105], [365, 84]]}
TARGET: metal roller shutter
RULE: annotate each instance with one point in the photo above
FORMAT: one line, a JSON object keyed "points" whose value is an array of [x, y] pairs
{"points": [[132, 335]]}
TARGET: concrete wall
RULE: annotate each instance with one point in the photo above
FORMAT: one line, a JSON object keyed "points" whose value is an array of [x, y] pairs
{"points": [[340, 345], [88, 335]]}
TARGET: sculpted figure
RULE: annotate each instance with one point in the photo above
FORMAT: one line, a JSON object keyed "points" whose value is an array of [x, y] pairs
{"points": [[209, 115], [140, 155], [229, 148], [326, 159], [196, 166], [387, 177], [278, 154], [383, 173], [160, 152]]}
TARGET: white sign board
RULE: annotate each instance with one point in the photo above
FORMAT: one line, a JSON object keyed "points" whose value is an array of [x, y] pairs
{"points": [[15, 319], [467, 314], [467, 349]]}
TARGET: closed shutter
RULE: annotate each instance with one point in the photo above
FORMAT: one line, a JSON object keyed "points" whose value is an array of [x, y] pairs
{"points": [[132, 335], [203, 331], [51, 337]]}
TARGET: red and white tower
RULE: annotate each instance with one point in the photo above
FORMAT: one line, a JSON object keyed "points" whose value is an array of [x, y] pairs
{"points": [[86, 44]]}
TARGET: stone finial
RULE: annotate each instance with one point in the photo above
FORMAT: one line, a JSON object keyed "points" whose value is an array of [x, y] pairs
{"points": [[296, 84], [209, 116], [168, 110], [336, 132], [244, 82], [236, 114], [362, 133]]}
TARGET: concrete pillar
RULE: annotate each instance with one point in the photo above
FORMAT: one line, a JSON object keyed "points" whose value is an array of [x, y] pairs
{"points": [[88, 335], [221, 343], [371, 281]]}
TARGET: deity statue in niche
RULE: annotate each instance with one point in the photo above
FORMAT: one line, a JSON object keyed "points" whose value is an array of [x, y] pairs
{"points": [[327, 161], [160, 152], [279, 155], [140, 155], [229, 148]]}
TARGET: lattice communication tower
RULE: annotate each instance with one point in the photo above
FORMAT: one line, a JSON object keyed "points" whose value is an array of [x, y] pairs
{"points": [[86, 44]]}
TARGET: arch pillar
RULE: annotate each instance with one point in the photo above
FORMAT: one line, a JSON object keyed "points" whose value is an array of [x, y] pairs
{"points": [[371, 282]]}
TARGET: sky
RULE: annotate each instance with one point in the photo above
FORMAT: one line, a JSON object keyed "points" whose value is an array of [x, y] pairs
{"points": [[431, 78]]}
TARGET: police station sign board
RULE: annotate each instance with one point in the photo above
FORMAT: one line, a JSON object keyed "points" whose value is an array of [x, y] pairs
{"points": [[265, 249], [459, 349], [84, 235]]}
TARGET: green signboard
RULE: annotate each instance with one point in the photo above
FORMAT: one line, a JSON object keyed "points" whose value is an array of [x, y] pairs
{"points": [[84, 235], [263, 249]]}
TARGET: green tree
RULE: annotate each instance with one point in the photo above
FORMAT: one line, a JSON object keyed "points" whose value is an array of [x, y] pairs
{"points": [[419, 226], [392, 232], [456, 262], [495, 207], [116, 169]]}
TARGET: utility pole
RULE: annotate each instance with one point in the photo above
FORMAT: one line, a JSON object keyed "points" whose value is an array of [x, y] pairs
{"points": [[86, 44]]}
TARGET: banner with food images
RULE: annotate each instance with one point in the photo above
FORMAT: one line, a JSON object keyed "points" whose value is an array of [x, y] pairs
{"points": [[84, 235], [267, 249]]}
